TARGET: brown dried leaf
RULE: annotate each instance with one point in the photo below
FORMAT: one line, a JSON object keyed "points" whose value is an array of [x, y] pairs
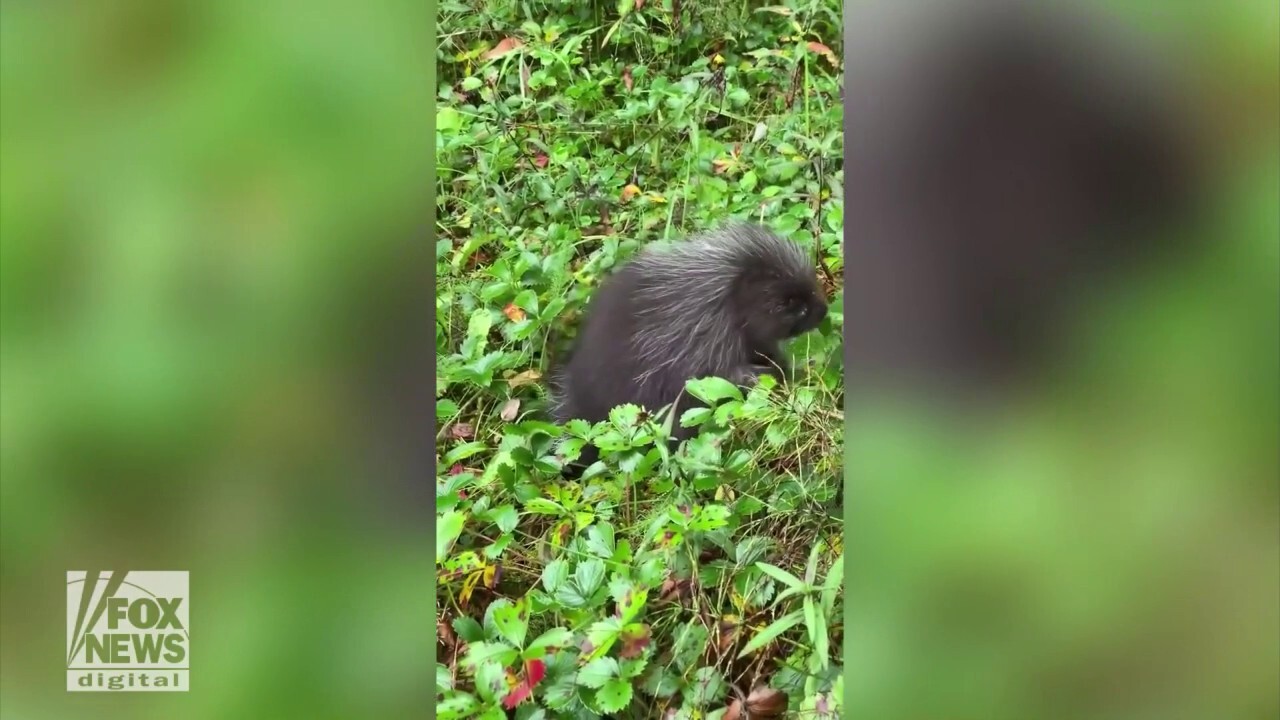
{"points": [[627, 80], [502, 48], [528, 377], [766, 702], [462, 431], [823, 50], [513, 312], [733, 712], [446, 634], [726, 633]]}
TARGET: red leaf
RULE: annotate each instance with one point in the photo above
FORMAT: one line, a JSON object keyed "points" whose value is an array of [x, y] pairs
{"points": [[627, 80], [534, 671], [541, 160], [462, 431], [517, 696]]}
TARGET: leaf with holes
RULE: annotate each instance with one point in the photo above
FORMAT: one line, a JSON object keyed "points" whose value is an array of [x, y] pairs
{"points": [[614, 696]]}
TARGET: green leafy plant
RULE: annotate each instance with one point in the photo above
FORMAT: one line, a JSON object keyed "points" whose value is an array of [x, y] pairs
{"points": [[568, 136]]}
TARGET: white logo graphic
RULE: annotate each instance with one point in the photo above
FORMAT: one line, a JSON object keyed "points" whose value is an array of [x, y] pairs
{"points": [[127, 631]]}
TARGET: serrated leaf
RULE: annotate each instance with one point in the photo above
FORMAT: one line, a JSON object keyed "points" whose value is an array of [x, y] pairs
{"points": [[598, 672], [690, 641], [553, 638], [589, 575], [457, 706], [602, 635], [482, 652], [505, 517], [709, 518], [694, 416], [554, 575], [468, 629], [512, 622], [713, 389], [600, 539], [631, 604], [614, 696]]}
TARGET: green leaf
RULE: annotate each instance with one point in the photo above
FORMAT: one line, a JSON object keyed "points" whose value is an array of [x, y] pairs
{"points": [[457, 706], [818, 633], [614, 696], [505, 517], [555, 637], [513, 622], [833, 584], [713, 389], [780, 575], [776, 628], [446, 409], [709, 518], [690, 643], [600, 539], [811, 568], [482, 652], [589, 576], [444, 681], [468, 629], [661, 682], [631, 668], [602, 635], [543, 506], [554, 575], [598, 672], [708, 686], [471, 83], [464, 451], [630, 605], [448, 528], [448, 120], [694, 417]]}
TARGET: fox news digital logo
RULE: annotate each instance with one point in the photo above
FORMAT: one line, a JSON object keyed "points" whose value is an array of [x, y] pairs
{"points": [[127, 631]]}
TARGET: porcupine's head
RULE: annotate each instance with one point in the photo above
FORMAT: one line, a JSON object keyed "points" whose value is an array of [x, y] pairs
{"points": [[775, 294]]}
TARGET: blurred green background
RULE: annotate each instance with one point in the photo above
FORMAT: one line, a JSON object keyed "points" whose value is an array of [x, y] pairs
{"points": [[208, 216], [1108, 548]]}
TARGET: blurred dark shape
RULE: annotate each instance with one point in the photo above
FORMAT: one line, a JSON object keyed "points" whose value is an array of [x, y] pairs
{"points": [[1002, 158]]}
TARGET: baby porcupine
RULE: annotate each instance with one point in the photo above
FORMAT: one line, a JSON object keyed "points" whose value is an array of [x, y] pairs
{"points": [[718, 304]]}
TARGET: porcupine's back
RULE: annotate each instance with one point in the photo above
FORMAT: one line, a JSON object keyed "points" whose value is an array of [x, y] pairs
{"points": [[673, 313]]}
